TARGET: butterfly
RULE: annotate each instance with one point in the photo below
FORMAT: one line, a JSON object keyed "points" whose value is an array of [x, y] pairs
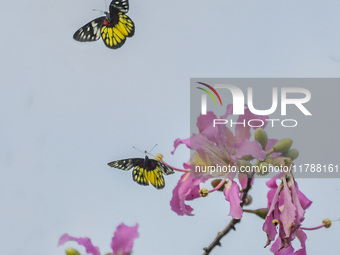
{"points": [[114, 27], [145, 170]]}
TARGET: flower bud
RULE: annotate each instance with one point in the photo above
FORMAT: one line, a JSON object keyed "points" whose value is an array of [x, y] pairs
{"points": [[245, 164], [283, 145], [71, 251], [292, 154], [247, 157], [281, 161], [215, 182], [262, 212], [249, 200], [204, 192], [261, 137], [327, 223], [262, 168]]}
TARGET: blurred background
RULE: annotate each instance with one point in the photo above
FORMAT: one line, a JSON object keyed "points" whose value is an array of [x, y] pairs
{"points": [[68, 108]]}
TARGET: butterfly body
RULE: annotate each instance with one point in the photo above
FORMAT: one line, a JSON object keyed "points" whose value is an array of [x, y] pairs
{"points": [[114, 27], [145, 170]]}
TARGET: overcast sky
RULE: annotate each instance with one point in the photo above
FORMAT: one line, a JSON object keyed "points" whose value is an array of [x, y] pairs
{"points": [[67, 108]]}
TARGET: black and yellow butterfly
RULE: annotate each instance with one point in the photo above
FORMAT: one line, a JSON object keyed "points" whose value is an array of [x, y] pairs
{"points": [[114, 27], [145, 170]]}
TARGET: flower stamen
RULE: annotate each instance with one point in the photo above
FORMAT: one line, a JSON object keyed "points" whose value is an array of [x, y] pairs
{"points": [[275, 222], [218, 185], [326, 223], [159, 157], [204, 192]]}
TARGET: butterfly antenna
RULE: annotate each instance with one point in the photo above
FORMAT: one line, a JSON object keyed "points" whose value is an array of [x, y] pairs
{"points": [[138, 150], [146, 152], [102, 12], [152, 149]]}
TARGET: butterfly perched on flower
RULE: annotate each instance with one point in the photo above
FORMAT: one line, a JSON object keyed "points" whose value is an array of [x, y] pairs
{"points": [[145, 170], [114, 27]]}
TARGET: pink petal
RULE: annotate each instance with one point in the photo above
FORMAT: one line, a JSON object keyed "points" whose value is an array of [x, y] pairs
{"points": [[186, 189], [198, 141], [305, 202], [272, 182], [285, 251], [86, 242], [177, 202], [299, 211], [302, 238], [247, 147], [273, 213], [123, 238], [225, 137], [181, 141], [270, 197], [241, 131], [232, 194], [229, 111], [194, 142], [243, 179], [205, 121], [186, 165], [273, 187], [289, 211]]}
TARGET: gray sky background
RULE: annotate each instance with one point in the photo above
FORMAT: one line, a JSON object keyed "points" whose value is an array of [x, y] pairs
{"points": [[68, 108]]}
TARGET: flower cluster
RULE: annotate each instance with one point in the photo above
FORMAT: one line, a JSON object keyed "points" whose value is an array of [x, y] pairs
{"points": [[287, 205], [121, 244], [240, 149], [218, 145]]}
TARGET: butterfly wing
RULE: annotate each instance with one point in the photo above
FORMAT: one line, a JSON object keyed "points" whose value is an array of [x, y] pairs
{"points": [[155, 171], [138, 174], [154, 174], [126, 25], [90, 31], [115, 31], [126, 164], [120, 5], [164, 168], [145, 170]]}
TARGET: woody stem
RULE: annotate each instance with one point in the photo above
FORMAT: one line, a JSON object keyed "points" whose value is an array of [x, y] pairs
{"points": [[232, 223]]}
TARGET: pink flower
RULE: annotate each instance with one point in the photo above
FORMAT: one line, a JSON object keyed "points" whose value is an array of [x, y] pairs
{"points": [[287, 205], [302, 237], [218, 145], [232, 195], [187, 189], [121, 243], [123, 239], [84, 241]]}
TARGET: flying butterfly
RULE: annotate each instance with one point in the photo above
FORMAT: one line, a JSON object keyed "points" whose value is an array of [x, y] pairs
{"points": [[145, 170], [114, 27]]}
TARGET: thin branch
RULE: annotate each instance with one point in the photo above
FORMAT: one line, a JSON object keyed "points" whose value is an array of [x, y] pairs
{"points": [[232, 223]]}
